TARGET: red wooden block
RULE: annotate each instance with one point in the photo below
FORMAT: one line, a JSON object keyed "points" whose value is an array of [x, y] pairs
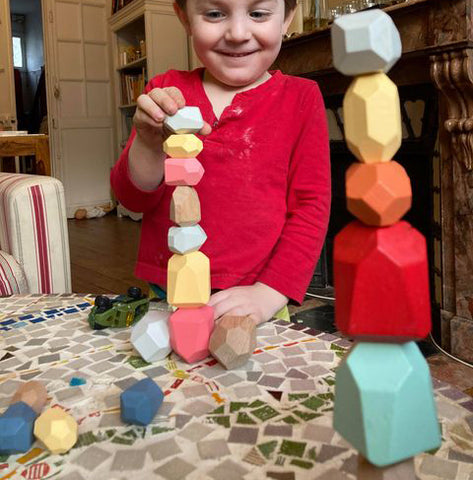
{"points": [[381, 283], [182, 171], [190, 330]]}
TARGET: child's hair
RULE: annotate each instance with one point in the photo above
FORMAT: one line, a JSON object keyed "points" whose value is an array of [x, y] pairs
{"points": [[289, 5]]}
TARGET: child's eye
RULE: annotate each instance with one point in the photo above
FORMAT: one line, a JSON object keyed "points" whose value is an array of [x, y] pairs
{"points": [[259, 14], [214, 14]]}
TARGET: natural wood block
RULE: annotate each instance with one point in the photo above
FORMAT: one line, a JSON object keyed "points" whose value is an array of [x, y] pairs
{"points": [[365, 42], [400, 471], [188, 283], [182, 146], [182, 171], [56, 429], [372, 115], [185, 120], [33, 393], [185, 240], [233, 340], [384, 402], [185, 206], [190, 330], [382, 283], [150, 336], [378, 194]]}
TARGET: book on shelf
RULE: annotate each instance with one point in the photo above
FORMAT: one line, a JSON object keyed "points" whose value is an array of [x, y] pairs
{"points": [[132, 86]]}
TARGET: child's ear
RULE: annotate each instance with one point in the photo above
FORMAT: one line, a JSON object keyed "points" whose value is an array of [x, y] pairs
{"points": [[184, 19], [288, 19]]}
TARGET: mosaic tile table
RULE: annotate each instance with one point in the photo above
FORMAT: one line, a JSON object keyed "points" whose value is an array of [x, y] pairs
{"points": [[271, 419]]}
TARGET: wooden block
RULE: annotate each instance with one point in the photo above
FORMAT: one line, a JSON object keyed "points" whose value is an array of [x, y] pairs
{"points": [[185, 206], [150, 336], [190, 330], [384, 402], [365, 42], [56, 429], [184, 240], [33, 393], [382, 283], [185, 120], [400, 471], [372, 115], [378, 194], [140, 402], [233, 341], [182, 146], [188, 282], [182, 171], [16, 428]]}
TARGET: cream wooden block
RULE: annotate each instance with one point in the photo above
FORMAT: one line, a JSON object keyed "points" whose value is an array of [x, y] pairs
{"points": [[182, 146], [399, 471], [188, 282], [185, 206], [185, 120], [372, 116], [56, 429]]}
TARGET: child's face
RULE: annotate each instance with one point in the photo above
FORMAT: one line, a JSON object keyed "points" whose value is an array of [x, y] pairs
{"points": [[236, 40]]}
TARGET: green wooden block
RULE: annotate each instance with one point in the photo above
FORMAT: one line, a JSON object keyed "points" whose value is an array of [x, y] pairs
{"points": [[384, 403]]}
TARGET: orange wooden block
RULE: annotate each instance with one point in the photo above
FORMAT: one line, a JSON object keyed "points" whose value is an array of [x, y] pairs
{"points": [[378, 194], [33, 393], [185, 206], [382, 284]]}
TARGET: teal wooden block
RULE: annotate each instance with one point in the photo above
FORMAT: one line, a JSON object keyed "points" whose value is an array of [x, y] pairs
{"points": [[384, 403]]}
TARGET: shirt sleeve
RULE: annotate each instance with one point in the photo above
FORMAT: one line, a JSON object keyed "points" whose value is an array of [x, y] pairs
{"points": [[292, 263], [127, 193]]}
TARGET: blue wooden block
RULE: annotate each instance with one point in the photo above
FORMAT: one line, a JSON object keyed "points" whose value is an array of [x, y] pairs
{"points": [[384, 403], [16, 428], [140, 402]]}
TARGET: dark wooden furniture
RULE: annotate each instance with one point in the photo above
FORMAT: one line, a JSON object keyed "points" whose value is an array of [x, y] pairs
{"points": [[437, 37]]}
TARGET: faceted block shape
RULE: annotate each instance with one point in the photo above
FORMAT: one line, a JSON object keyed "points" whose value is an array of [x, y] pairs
{"points": [[188, 280], [182, 146], [233, 340], [182, 171], [190, 330], [33, 393], [56, 429], [185, 120], [365, 42], [384, 403], [140, 402], [185, 240], [378, 194], [185, 206], [400, 471], [16, 428], [382, 284], [150, 336], [372, 115]]}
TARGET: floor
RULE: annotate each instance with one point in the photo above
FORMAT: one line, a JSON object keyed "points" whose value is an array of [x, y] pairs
{"points": [[103, 253]]}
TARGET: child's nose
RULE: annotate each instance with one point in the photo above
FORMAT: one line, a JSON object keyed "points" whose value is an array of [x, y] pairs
{"points": [[238, 31]]}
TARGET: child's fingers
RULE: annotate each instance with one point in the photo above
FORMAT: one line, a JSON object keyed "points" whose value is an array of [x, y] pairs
{"points": [[162, 98], [146, 104], [176, 95], [206, 129]]}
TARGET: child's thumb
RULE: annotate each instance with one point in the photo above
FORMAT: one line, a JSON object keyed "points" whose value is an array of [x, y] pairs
{"points": [[206, 129]]}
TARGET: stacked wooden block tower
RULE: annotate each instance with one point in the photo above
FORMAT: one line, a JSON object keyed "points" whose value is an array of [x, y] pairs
{"points": [[384, 403]]}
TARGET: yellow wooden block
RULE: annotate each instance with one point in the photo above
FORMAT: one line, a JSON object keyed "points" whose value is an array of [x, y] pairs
{"points": [[183, 146], [56, 429], [185, 206], [372, 118], [188, 280]]}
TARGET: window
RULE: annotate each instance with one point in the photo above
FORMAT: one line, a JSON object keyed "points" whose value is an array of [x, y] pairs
{"points": [[17, 52]]}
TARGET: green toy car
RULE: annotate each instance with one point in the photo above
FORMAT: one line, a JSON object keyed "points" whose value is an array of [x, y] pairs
{"points": [[122, 311]]}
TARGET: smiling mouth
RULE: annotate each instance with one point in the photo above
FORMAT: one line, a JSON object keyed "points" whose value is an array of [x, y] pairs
{"points": [[236, 55]]}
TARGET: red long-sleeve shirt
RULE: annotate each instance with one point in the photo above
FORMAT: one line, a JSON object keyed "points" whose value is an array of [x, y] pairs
{"points": [[265, 193]]}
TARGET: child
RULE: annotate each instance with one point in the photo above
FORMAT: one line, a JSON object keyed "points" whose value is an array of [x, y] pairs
{"points": [[265, 194]]}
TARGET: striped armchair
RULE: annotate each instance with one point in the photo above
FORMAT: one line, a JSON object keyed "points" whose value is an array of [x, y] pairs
{"points": [[34, 242]]}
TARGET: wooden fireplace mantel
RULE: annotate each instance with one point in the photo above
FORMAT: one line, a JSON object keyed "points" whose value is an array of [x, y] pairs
{"points": [[437, 38]]}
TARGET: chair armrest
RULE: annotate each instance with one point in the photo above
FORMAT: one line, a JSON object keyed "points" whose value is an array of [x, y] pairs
{"points": [[33, 229], [12, 277]]}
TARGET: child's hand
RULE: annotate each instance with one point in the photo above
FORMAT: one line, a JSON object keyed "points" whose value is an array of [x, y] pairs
{"points": [[151, 110], [259, 301]]}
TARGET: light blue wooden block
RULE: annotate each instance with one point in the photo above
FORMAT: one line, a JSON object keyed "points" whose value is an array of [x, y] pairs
{"points": [[384, 403], [184, 240], [186, 120], [365, 42]]}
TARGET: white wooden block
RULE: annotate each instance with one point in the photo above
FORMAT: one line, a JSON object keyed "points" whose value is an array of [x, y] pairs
{"points": [[150, 336], [184, 240], [186, 120]]}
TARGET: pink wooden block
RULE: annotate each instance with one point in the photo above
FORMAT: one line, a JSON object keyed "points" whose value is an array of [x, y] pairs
{"points": [[190, 330], [182, 171]]}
